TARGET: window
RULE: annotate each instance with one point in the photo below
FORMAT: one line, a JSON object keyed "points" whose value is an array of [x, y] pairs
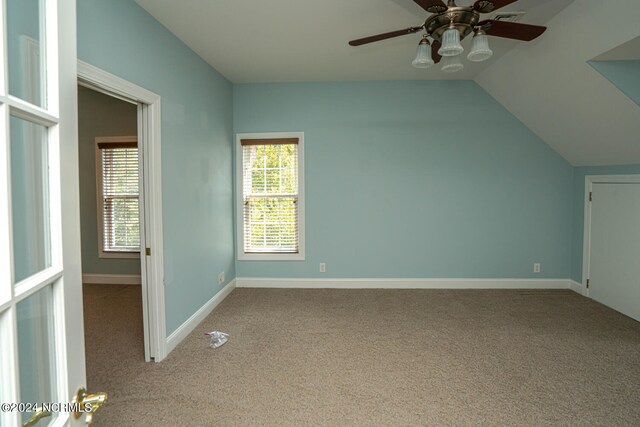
{"points": [[118, 197], [270, 196]]}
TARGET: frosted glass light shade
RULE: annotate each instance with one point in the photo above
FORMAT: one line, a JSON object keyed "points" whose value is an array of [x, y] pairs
{"points": [[451, 43], [451, 64], [480, 50], [423, 56]]}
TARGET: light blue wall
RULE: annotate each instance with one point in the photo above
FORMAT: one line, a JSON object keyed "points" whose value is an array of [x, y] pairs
{"points": [[625, 75], [579, 175], [120, 37], [398, 186]]}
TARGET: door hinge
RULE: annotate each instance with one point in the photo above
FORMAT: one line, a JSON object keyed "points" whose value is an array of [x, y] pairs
{"points": [[591, 196], [148, 251], [587, 283]]}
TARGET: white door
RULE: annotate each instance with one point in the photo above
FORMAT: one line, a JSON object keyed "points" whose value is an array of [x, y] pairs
{"points": [[614, 268], [41, 329]]}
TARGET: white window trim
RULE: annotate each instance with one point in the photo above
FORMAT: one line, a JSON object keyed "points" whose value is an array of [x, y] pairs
{"points": [[101, 252], [300, 256]]}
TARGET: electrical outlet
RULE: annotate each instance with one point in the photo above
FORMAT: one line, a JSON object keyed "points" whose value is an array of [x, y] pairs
{"points": [[323, 267], [536, 267], [221, 278]]}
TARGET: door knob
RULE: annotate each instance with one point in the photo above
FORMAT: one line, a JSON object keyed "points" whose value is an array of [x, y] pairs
{"points": [[89, 402], [39, 414]]}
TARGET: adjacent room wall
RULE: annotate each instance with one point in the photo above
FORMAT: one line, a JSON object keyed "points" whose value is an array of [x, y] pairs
{"points": [[418, 179], [99, 115], [579, 175], [120, 37]]}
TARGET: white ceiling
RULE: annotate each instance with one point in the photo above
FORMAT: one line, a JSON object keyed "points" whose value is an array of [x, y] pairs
{"points": [[547, 84], [306, 40]]}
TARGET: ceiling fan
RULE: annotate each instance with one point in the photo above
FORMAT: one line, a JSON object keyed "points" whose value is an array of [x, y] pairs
{"points": [[449, 23]]}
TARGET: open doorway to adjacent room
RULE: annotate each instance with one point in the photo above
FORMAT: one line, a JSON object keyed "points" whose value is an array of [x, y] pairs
{"points": [[110, 211]]}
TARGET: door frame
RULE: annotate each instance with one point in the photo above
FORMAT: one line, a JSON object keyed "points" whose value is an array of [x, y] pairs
{"points": [[152, 265], [589, 180]]}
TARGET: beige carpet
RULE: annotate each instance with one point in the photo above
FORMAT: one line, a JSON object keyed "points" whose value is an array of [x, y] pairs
{"points": [[376, 357]]}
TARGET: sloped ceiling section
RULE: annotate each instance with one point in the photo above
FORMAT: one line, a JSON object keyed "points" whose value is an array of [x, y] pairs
{"points": [[551, 87], [621, 66], [626, 51], [624, 74]]}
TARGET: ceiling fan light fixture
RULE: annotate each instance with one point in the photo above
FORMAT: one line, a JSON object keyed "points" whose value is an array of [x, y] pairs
{"points": [[451, 64], [423, 55], [480, 50], [449, 24], [451, 42]]}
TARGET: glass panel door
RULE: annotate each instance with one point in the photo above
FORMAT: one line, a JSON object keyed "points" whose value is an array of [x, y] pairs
{"points": [[29, 198], [41, 333], [25, 49], [36, 351]]}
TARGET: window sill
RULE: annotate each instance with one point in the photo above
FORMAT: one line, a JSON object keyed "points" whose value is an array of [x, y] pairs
{"points": [[271, 257], [119, 255]]}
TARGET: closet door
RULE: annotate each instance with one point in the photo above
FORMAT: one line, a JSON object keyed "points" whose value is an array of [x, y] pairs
{"points": [[614, 266]]}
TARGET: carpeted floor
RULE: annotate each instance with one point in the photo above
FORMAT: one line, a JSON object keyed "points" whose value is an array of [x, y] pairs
{"points": [[373, 357]]}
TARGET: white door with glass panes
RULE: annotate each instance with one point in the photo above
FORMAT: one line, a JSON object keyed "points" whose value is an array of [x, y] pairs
{"points": [[41, 327]]}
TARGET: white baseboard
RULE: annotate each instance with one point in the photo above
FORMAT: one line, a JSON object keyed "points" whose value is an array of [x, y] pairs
{"points": [[190, 324], [576, 287], [263, 282], [112, 279]]}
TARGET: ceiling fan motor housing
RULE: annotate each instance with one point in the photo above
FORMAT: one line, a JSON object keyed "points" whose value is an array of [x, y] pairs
{"points": [[465, 19]]}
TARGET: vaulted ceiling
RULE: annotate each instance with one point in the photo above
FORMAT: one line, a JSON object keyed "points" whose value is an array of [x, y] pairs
{"points": [[551, 87], [548, 83]]}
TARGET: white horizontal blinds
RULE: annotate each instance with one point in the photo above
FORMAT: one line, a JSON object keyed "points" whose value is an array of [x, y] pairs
{"points": [[120, 197], [270, 195]]}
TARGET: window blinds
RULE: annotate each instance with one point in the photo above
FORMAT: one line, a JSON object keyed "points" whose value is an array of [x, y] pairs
{"points": [[270, 195], [120, 197]]}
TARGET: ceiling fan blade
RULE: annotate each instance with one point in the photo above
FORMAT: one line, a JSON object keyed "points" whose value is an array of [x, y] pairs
{"points": [[498, 4], [486, 6], [435, 47], [385, 36], [432, 6], [512, 30]]}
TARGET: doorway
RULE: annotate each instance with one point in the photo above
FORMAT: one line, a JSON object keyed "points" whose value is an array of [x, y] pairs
{"points": [[110, 177], [612, 238], [147, 105]]}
